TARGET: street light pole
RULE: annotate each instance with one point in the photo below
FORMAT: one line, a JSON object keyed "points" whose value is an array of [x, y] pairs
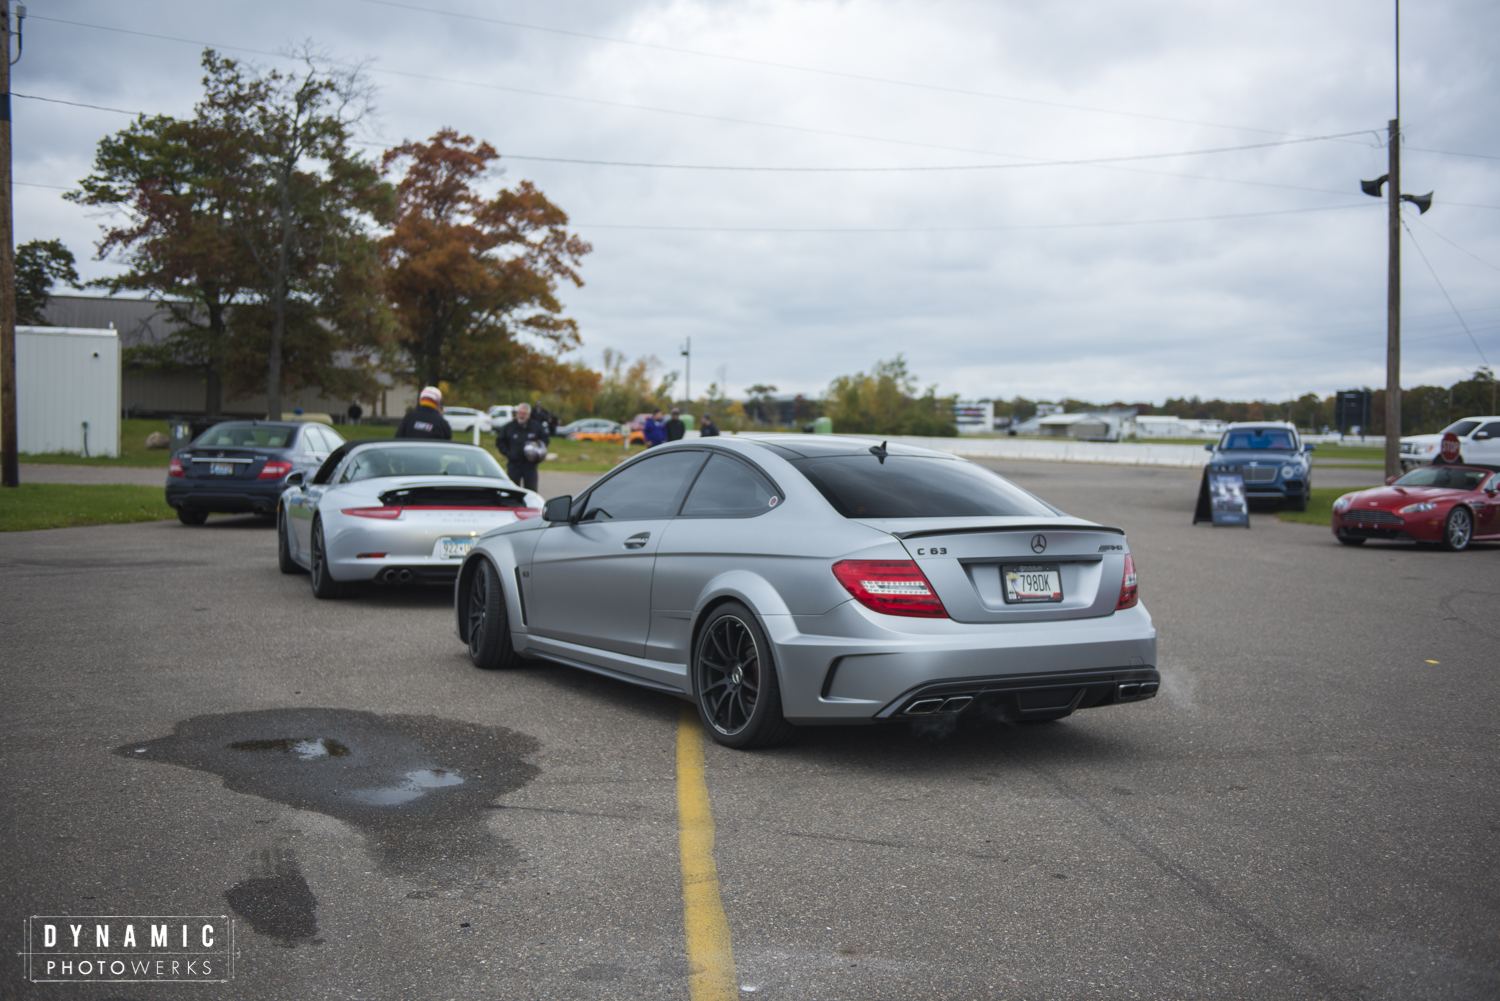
{"points": [[1393, 312]]}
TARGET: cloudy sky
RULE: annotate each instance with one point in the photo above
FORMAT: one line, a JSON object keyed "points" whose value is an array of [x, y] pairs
{"points": [[1246, 273]]}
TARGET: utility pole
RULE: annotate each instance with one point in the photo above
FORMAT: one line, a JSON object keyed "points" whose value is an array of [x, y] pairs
{"points": [[10, 469], [1393, 304]]}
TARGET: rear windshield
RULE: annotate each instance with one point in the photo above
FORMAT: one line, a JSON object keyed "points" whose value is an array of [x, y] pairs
{"points": [[1256, 439], [1461, 428], [244, 436], [421, 460], [916, 486], [1444, 476]]}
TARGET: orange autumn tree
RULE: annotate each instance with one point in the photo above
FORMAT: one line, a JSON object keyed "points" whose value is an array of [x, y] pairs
{"points": [[473, 280]]}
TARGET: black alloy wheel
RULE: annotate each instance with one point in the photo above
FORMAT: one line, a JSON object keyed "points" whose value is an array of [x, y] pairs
{"points": [[188, 516], [486, 622], [284, 546], [1458, 529], [734, 681], [323, 584]]}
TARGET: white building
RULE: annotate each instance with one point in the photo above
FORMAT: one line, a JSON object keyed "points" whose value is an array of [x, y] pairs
{"points": [[974, 417], [68, 390]]}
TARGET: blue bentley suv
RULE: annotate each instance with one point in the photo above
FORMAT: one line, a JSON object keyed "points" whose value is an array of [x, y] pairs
{"points": [[1271, 458]]}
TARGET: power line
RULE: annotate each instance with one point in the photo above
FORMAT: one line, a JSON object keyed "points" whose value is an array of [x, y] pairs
{"points": [[818, 70], [967, 229], [728, 119], [1455, 246], [1440, 286], [76, 104]]}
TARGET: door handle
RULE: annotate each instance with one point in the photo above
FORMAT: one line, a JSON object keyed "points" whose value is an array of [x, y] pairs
{"points": [[637, 541]]}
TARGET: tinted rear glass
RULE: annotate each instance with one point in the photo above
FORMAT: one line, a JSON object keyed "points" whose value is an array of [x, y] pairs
{"points": [[912, 486], [244, 436], [728, 489], [434, 460]]}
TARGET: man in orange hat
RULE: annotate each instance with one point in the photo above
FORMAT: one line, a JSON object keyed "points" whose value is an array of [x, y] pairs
{"points": [[427, 420]]}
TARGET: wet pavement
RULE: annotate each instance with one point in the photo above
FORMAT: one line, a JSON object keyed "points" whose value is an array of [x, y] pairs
{"points": [[1308, 810]]}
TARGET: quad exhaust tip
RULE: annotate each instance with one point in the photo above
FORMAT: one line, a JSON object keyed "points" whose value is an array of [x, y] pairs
{"points": [[1132, 690]]}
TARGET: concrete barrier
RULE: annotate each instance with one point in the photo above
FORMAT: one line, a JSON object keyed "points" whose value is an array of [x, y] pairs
{"points": [[1065, 450]]}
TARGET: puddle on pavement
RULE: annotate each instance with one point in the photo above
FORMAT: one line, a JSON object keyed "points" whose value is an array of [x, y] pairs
{"points": [[278, 903], [419, 787]]}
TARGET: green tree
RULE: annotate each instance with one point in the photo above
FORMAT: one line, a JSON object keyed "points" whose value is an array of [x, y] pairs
{"points": [[883, 401], [168, 184], [628, 389], [474, 279], [302, 207], [40, 264]]}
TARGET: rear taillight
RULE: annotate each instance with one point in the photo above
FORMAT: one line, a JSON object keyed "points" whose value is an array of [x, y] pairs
{"points": [[274, 470], [526, 512], [174, 468], [373, 512], [894, 587], [1129, 591]]}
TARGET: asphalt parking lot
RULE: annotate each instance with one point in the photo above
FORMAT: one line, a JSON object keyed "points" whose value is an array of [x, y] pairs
{"points": [[1309, 809]]}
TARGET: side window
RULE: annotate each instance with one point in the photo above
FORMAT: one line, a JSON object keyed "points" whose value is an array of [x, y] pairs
{"points": [[647, 489], [1492, 429], [312, 441], [729, 489]]}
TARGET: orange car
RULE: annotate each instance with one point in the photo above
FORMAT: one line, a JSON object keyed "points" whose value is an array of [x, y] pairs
{"points": [[596, 430]]}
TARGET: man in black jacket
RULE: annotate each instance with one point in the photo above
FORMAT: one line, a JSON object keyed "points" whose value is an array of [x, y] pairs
{"points": [[512, 442], [427, 420], [675, 427]]}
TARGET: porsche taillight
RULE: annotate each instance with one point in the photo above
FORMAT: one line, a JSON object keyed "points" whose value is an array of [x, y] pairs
{"points": [[174, 468], [274, 470], [526, 512], [372, 512], [1129, 588], [893, 587]]}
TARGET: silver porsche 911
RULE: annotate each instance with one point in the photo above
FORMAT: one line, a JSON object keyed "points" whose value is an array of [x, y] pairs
{"points": [[394, 512], [779, 580]]}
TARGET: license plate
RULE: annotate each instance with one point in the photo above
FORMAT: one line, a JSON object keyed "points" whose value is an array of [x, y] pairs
{"points": [[221, 468], [1032, 583], [452, 549]]}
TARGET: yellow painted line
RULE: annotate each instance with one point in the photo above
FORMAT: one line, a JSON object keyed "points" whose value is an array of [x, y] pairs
{"points": [[710, 957]]}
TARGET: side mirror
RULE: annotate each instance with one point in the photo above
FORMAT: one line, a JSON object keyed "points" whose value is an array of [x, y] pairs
{"points": [[1309, 448], [1390, 479], [557, 509], [296, 479], [1208, 448]]}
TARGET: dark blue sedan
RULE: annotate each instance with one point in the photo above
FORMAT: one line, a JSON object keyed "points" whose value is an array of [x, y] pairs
{"points": [[1272, 459], [241, 467]]}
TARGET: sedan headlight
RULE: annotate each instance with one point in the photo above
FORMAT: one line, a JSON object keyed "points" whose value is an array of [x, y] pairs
{"points": [[1417, 508], [1342, 504]]}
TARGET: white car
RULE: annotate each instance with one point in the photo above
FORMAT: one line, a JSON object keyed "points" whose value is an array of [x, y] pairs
{"points": [[463, 419], [501, 416], [394, 512], [1478, 441]]}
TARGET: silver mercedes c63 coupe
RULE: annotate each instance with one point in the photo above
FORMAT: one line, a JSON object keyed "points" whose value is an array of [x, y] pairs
{"points": [[778, 580]]}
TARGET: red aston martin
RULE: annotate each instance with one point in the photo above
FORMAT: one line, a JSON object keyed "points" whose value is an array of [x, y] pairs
{"points": [[1448, 505]]}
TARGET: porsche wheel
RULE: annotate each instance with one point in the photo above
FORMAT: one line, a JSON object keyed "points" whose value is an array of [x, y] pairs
{"points": [[188, 516], [284, 546], [1458, 529], [734, 681], [487, 623], [323, 584]]}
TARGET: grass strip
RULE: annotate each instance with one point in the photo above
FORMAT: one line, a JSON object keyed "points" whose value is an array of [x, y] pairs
{"points": [[1319, 506], [33, 506]]}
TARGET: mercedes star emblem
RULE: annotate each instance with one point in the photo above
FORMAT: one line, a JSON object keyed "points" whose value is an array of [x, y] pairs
{"points": [[1038, 543]]}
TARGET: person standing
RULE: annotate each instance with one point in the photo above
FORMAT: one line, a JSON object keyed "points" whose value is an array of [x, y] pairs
{"points": [[710, 429], [655, 433], [523, 444], [427, 420], [675, 428]]}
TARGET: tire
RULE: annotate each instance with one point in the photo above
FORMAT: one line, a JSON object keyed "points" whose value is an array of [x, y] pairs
{"points": [[734, 681], [284, 547], [486, 621], [323, 584], [1300, 503], [190, 517], [1458, 529], [1350, 540]]}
